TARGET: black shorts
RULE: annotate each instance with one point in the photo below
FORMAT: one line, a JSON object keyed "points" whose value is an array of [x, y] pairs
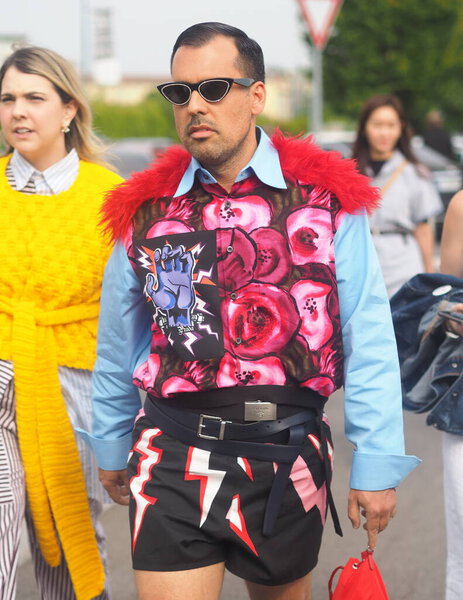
{"points": [[191, 508]]}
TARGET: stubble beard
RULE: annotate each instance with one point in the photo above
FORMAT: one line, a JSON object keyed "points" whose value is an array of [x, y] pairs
{"points": [[214, 154]]}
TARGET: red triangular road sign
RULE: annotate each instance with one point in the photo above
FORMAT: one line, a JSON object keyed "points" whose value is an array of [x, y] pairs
{"points": [[319, 16]]}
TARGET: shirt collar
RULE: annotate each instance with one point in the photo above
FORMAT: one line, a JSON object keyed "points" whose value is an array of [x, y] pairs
{"points": [[265, 164], [23, 170]]}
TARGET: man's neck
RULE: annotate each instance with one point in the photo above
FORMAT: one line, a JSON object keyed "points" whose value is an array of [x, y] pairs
{"points": [[226, 173]]}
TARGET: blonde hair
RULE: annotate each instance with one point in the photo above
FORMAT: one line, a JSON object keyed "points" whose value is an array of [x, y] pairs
{"points": [[62, 75]]}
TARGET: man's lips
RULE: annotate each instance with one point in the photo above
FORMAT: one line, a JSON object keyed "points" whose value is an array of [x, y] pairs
{"points": [[200, 131]]}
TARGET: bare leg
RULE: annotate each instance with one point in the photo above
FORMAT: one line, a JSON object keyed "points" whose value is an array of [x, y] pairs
{"points": [[297, 590], [204, 583]]}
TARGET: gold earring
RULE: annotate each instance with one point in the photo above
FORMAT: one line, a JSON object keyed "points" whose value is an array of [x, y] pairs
{"points": [[65, 128]]}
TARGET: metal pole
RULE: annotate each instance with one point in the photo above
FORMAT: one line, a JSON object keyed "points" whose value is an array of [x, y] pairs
{"points": [[84, 38], [317, 90]]}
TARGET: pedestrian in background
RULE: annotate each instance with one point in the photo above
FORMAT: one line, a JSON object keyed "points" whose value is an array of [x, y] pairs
{"points": [[436, 136], [243, 291], [452, 264], [52, 255], [401, 228]]}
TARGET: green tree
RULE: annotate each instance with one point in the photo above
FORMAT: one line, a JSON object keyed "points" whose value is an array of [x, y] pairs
{"points": [[413, 48], [151, 118]]}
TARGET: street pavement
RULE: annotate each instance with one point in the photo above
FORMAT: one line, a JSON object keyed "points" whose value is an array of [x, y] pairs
{"points": [[410, 553]]}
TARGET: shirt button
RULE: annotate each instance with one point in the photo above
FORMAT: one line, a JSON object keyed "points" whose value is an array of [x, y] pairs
{"points": [[229, 249], [227, 204], [238, 341], [233, 296]]}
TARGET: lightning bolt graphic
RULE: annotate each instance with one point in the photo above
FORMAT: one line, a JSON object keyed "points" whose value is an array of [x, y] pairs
{"points": [[197, 249], [318, 447], [144, 260], [208, 329], [201, 305], [244, 464], [149, 458], [238, 524], [197, 468], [306, 487], [202, 274], [192, 337]]}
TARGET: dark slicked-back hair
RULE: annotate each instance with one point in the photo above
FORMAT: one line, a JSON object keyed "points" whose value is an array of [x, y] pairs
{"points": [[251, 58], [361, 150]]}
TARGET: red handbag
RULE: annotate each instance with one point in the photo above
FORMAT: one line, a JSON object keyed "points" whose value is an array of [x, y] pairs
{"points": [[359, 580]]}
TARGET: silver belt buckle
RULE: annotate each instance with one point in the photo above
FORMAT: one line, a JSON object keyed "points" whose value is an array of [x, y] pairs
{"points": [[258, 410]]}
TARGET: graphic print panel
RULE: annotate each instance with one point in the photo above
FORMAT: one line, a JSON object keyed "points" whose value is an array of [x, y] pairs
{"points": [[178, 273]]}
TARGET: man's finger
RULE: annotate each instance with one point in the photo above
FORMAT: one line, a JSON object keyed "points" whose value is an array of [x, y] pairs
{"points": [[372, 537], [353, 511]]}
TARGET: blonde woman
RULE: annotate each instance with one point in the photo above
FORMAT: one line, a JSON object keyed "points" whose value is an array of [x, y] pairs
{"points": [[52, 255]]}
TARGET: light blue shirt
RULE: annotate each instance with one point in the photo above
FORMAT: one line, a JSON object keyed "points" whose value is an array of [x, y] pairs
{"points": [[373, 397]]}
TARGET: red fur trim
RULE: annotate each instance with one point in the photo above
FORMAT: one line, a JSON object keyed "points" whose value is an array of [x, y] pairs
{"points": [[161, 179], [301, 160], [305, 162]]}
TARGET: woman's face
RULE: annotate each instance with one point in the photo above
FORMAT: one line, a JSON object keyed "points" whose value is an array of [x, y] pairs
{"points": [[383, 129], [32, 115]]}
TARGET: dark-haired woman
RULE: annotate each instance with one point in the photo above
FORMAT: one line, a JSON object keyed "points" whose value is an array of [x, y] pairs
{"points": [[402, 233]]}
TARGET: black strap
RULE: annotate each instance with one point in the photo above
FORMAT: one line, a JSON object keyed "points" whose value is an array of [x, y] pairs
{"points": [[279, 394], [297, 436], [224, 430], [328, 475], [188, 435], [183, 426]]}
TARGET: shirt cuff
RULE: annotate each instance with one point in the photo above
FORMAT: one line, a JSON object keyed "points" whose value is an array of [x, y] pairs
{"points": [[373, 472], [111, 455]]}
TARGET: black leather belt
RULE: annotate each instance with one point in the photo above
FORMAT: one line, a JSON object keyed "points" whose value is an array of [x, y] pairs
{"points": [[277, 441]]}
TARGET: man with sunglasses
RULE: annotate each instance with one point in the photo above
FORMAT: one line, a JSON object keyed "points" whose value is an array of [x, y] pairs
{"points": [[242, 291]]}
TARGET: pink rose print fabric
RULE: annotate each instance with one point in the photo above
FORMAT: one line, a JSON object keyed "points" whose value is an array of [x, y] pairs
{"points": [[273, 257], [236, 371], [311, 297], [236, 267], [274, 271], [310, 235], [262, 319], [247, 213]]}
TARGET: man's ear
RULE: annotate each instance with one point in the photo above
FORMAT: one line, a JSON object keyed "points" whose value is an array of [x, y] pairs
{"points": [[259, 93]]}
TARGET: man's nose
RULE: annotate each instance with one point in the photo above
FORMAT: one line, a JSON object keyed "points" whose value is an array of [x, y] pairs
{"points": [[197, 104]]}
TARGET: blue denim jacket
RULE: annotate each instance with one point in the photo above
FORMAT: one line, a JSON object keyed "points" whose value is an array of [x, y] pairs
{"points": [[431, 361]]}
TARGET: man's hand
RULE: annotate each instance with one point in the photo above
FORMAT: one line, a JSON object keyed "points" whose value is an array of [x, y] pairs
{"points": [[116, 483], [377, 508]]}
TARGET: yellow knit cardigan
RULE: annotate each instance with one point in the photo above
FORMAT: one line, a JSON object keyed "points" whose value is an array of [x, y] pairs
{"points": [[52, 257]]}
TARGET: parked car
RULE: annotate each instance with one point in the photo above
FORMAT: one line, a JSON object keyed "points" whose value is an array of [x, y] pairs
{"points": [[136, 154]]}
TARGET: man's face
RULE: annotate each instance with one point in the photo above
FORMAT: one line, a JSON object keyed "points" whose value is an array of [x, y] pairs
{"points": [[218, 134]]}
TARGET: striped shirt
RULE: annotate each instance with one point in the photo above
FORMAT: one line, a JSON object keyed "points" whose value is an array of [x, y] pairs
{"points": [[54, 180]]}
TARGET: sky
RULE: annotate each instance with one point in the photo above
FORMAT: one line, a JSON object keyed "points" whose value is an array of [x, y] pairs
{"points": [[145, 30]]}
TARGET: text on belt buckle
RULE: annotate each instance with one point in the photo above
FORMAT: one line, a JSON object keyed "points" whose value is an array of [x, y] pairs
{"points": [[260, 411]]}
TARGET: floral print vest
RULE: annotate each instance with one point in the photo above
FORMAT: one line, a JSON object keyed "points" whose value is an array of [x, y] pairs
{"points": [[242, 288]]}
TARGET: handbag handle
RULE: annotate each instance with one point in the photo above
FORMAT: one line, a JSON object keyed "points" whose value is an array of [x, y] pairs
{"points": [[330, 582]]}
